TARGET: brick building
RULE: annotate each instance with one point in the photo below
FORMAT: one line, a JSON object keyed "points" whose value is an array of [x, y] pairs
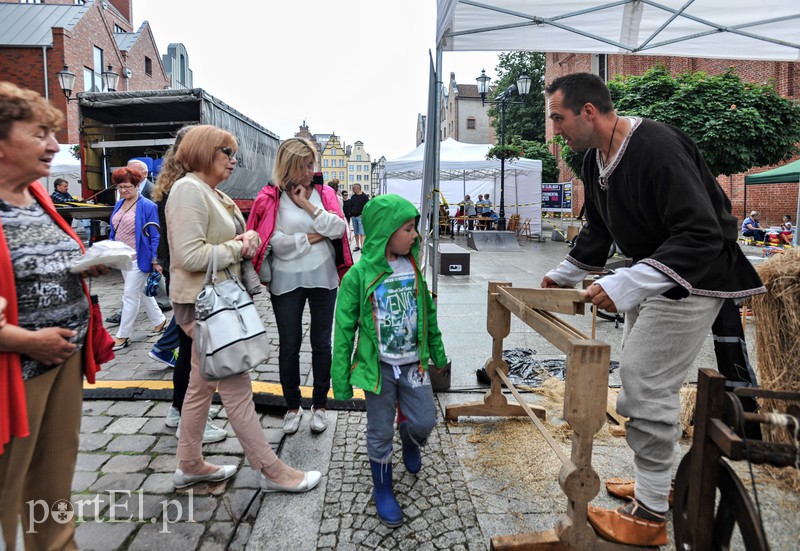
{"points": [[38, 40], [773, 200]]}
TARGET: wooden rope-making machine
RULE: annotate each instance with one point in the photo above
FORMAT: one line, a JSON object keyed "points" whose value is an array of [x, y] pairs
{"points": [[699, 523]]}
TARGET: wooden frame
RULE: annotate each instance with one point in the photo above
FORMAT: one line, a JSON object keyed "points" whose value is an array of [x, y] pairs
{"points": [[584, 406]]}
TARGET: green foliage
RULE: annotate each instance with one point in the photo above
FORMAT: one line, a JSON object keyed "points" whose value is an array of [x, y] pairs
{"points": [[539, 151], [525, 120], [573, 159], [75, 150], [736, 125], [507, 151]]}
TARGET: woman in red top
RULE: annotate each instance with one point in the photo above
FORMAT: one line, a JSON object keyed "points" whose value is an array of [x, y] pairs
{"points": [[45, 338]]}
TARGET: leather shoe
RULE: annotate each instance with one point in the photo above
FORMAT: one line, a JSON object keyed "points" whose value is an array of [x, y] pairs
{"points": [[181, 479], [309, 482], [624, 488], [119, 344], [631, 524]]}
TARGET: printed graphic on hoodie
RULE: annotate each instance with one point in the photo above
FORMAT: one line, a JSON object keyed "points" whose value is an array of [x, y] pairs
{"points": [[395, 307]]}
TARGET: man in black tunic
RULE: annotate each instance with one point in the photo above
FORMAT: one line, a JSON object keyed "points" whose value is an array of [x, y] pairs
{"points": [[648, 189]]}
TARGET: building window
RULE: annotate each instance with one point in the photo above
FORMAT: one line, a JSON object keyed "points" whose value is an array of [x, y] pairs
{"points": [[358, 157], [80, 2], [352, 178], [92, 80], [325, 163], [471, 123], [333, 151], [148, 66], [325, 175], [30, 1]]}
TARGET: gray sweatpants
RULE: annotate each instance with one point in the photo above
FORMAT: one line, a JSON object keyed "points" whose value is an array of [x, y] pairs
{"points": [[661, 340], [412, 390]]}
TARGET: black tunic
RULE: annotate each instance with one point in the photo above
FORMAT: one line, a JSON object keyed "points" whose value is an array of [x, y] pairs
{"points": [[664, 207]]}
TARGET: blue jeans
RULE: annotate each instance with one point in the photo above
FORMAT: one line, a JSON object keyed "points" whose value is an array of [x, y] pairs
{"points": [[288, 309], [169, 340], [358, 227], [413, 391], [758, 235]]}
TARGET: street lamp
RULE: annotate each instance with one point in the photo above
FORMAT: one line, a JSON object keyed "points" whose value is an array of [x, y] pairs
{"points": [[110, 79], [66, 79], [522, 87]]}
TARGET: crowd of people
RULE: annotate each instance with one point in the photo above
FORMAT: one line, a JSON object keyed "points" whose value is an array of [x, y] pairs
{"points": [[373, 321]]}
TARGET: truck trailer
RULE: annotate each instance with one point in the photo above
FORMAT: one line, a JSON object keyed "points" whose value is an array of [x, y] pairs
{"points": [[118, 126]]}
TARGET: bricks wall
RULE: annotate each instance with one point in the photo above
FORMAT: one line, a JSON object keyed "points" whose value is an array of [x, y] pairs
{"points": [[772, 201], [25, 66]]}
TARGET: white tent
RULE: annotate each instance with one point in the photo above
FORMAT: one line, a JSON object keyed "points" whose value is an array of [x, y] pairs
{"points": [[729, 29], [464, 170]]}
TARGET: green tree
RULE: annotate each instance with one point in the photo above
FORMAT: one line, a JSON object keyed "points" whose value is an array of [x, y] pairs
{"points": [[736, 125], [539, 151], [525, 120]]}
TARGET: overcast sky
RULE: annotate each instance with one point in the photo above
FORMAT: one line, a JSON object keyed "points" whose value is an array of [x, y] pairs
{"points": [[358, 68]]}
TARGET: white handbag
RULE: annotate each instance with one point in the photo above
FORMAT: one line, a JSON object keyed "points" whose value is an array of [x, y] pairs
{"points": [[229, 336]]}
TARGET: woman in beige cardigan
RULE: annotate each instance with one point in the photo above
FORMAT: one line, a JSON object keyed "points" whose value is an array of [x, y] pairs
{"points": [[200, 216]]}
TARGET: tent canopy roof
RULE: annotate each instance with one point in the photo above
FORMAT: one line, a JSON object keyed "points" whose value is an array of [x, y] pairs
{"points": [[728, 29], [458, 161], [785, 174]]}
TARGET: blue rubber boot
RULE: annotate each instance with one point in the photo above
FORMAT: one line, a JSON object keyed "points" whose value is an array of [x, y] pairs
{"points": [[412, 456], [388, 509]]}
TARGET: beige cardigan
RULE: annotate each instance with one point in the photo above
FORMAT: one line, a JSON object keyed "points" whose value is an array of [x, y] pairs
{"points": [[198, 218]]}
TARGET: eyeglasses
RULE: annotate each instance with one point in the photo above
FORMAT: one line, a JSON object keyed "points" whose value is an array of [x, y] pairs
{"points": [[125, 188], [228, 151]]}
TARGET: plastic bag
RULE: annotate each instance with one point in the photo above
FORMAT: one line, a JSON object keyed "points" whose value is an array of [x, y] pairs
{"points": [[114, 254]]}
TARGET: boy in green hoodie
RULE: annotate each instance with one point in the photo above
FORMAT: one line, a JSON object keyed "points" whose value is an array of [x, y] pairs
{"points": [[385, 297]]}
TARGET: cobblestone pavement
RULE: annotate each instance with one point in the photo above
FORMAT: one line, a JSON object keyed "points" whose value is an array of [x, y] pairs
{"points": [[124, 497], [436, 503]]}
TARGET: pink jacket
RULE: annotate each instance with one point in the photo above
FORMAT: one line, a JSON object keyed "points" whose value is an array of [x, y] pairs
{"points": [[265, 211]]}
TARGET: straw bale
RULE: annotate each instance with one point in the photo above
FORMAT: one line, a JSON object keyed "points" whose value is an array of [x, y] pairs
{"points": [[778, 336]]}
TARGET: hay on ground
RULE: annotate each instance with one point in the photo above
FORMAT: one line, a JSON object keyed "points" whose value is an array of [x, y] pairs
{"points": [[778, 338]]}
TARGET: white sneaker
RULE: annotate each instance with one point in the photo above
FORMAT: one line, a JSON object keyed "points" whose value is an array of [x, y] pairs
{"points": [[319, 420], [291, 421], [211, 434], [173, 417]]}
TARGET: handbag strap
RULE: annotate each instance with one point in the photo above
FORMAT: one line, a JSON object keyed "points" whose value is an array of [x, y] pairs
{"points": [[211, 271]]}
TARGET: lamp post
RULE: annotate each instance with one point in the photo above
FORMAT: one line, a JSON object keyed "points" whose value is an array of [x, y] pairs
{"points": [[522, 87], [66, 79], [110, 79]]}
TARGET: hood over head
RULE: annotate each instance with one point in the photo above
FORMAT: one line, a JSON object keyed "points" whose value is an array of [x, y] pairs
{"points": [[382, 216]]}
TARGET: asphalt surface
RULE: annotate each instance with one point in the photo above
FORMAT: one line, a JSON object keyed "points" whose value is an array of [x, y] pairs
{"points": [[123, 480]]}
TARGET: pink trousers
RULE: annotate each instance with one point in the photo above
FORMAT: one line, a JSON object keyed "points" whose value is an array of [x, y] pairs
{"points": [[237, 398]]}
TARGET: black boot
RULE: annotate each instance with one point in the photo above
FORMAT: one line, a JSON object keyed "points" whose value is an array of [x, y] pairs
{"points": [[389, 511]]}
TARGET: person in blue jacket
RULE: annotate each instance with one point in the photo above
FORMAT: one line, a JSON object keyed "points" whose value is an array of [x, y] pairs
{"points": [[130, 215]]}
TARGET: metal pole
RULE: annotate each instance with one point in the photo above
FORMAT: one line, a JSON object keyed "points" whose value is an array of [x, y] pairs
{"points": [[501, 223]]}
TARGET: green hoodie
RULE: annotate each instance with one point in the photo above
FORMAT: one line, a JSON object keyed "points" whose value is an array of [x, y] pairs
{"points": [[382, 216]]}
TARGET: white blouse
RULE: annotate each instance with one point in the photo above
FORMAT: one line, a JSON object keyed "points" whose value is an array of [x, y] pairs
{"points": [[296, 262]]}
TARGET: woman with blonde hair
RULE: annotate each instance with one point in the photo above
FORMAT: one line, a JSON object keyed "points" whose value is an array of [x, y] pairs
{"points": [[304, 225], [201, 218]]}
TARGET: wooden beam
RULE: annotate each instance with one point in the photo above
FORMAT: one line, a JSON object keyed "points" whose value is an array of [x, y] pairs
{"points": [[563, 301]]}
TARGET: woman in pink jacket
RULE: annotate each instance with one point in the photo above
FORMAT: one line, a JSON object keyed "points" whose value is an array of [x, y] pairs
{"points": [[301, 221]]}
